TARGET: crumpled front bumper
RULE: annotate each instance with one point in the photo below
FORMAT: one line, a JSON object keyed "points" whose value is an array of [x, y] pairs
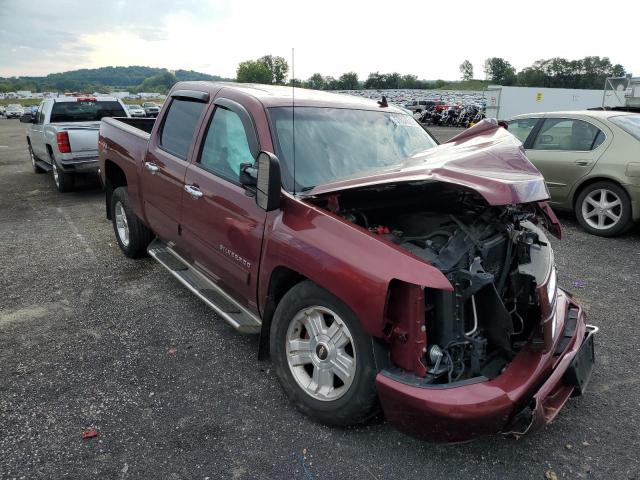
{"points": [[527, 395]]}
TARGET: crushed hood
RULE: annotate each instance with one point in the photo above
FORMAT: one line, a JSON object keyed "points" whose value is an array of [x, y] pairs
{"points": [[485, 158]]}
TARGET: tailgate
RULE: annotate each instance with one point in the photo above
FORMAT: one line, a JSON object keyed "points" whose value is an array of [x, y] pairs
{"points": [[83, 137]]}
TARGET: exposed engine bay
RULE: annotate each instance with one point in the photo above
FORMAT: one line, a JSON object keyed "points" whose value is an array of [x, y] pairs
{"points": [[494, 256]]}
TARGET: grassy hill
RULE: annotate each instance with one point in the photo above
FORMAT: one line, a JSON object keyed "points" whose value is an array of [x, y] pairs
{"points": [[102, 79]]}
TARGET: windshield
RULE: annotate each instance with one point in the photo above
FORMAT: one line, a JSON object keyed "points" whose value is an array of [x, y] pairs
{"points": [[85, 111], [629, 123], [333, 144]]}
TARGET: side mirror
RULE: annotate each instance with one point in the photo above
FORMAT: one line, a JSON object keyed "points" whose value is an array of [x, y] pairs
{"points": [[268, 182], [27, 118], [503, 124]]}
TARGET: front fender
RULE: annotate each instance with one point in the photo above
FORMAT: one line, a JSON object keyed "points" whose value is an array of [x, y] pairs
{"points": [[353, 264]]}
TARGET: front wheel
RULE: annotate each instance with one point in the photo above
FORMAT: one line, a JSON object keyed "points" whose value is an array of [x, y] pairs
{"points": [[603, 208], [132, 235], [323, 358]]}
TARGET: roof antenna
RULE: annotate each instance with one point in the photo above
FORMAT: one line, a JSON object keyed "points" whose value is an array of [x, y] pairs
{"points": [[293, 114], [383, 103]]}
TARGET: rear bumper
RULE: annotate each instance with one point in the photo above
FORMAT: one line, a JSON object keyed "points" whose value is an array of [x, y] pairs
{"points": [[84, 164], [526, 396]]}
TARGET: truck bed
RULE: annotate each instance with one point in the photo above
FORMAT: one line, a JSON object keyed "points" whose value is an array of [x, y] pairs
{"points": [[124, 142]]}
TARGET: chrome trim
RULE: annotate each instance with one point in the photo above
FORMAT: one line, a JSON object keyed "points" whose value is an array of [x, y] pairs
{"points": [[157, 246]]}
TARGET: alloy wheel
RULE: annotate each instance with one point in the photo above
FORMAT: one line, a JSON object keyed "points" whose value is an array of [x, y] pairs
{"points": [[122, 226], [56, 174], [602, 209], [320, 353]]}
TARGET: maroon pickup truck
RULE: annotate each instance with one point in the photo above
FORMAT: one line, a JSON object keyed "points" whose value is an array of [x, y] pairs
{"points": [[380, 269]]}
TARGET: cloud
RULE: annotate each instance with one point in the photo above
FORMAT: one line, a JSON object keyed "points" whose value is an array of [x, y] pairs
{"points": [[331, 37]]}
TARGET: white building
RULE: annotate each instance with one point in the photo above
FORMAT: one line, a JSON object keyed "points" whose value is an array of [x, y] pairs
{"points": [[24, 93], [505, 102]]}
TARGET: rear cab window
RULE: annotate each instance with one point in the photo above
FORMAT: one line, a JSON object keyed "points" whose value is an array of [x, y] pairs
{"points": [[180, 124], [85, 111]]}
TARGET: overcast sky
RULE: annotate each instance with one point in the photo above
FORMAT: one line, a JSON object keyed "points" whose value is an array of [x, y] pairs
{"points": [[426, 38]]}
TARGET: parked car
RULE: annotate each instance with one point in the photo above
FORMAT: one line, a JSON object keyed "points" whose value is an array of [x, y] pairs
{"points": [[136, 111], [417, 106], [151, 109], [376, 265], [63, 135], [14, 111], [590, 162]]}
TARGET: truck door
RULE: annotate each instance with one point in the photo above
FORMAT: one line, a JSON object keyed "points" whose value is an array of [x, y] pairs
{"points": [[222, 227], [164, 167], [36, 135]]}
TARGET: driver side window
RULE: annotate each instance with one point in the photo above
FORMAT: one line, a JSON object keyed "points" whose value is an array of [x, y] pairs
{"points": [[225, 146]]}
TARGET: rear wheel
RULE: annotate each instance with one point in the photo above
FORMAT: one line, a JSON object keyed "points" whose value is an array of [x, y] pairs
{"points": [[603, 208], [64, 181], [132, 235], [34, 159], [323, 358]]}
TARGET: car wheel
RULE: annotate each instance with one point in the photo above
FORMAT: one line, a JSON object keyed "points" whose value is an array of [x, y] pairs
{"points": [[64, 181], [603, 208], [132, 235], [34, 159], [323, 359]]}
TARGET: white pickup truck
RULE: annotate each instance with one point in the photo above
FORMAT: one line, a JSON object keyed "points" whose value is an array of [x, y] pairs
{"points": [[62, 136]]}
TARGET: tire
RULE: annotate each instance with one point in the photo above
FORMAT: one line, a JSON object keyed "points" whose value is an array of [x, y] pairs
{"points": [[64, 181], [34, 159], [132, 235], [606, 216], [339, 400]]}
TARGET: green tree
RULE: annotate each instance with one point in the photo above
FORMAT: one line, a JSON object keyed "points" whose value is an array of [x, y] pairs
{"points": [[316, 81], [499, 71], [278, 67], [254, 71], [160, 83], [349, 81], [466, 69]]}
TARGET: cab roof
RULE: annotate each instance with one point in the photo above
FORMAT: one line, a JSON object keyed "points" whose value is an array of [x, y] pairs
{"points": [[601, 114], [283, 96]]}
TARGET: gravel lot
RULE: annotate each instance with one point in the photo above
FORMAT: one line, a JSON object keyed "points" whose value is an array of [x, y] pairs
{"points": [[85, 339]]}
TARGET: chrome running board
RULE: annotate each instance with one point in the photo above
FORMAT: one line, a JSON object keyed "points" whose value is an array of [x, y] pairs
{"points": [[211, 294]]}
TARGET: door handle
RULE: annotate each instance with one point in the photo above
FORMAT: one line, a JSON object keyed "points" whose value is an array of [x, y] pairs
{"points": [[152, 167], [193, 191], [582, 162]]}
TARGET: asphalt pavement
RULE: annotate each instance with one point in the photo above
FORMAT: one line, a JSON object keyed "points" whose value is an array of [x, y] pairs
{"points": [[91, 340]]}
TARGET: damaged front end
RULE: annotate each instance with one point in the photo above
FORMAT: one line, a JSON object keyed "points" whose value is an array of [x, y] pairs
{"points": [[467, 361]]}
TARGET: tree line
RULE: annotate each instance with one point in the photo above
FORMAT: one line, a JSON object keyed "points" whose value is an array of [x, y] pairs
{"points": [[105, 79], [588, 72]]}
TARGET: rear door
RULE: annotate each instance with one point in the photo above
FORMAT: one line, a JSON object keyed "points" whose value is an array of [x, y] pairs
{"points": [[565, 150], [222, 226], [165, 164]]}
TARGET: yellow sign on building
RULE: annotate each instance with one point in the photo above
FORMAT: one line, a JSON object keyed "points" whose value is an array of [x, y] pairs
{"points": [[539, 97]]}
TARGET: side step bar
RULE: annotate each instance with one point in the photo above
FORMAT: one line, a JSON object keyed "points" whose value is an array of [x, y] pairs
{"points": [[44, 165], [231, 311]]}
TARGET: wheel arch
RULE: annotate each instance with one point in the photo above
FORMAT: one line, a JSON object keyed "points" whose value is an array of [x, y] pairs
{"points": [[281, 280], [114, 177], [590, 181]]}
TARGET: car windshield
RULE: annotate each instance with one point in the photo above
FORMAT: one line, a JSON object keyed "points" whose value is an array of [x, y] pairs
{"points": [[85, 111], [333, 143], [629, 123]]}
